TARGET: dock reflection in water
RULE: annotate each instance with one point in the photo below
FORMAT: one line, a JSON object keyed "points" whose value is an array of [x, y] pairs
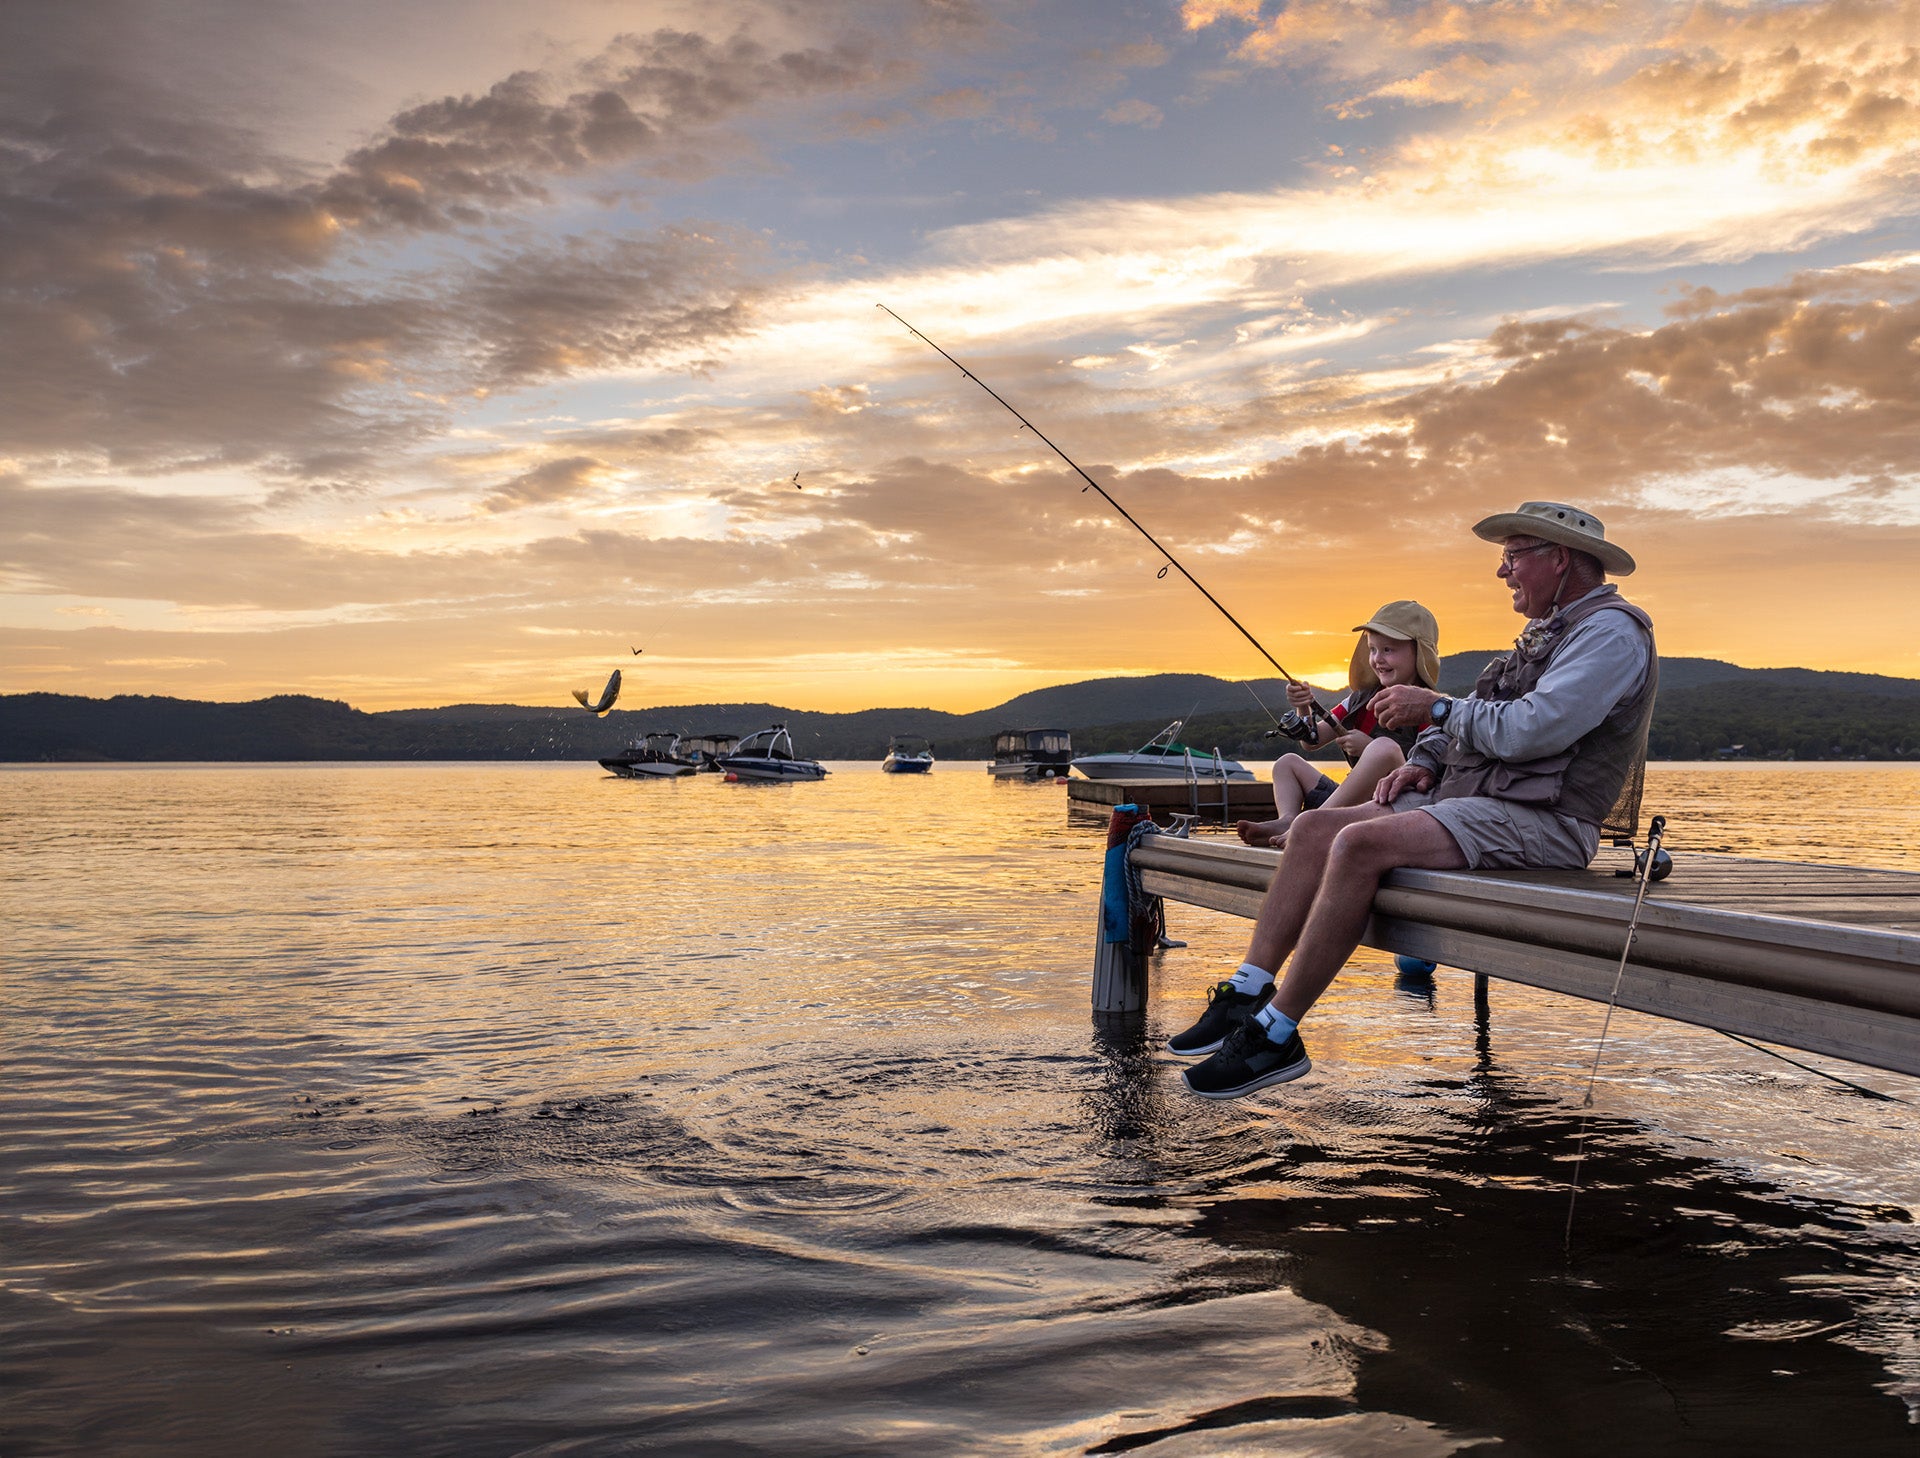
{"points": [[499, 1109]]}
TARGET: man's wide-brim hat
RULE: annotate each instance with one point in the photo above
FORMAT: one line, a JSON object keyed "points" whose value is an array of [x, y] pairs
{"points": [[1566, 526], [1410, 623]]}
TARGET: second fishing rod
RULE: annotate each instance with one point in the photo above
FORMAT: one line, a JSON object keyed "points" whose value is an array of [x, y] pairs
{"points": [[1314, 713]]}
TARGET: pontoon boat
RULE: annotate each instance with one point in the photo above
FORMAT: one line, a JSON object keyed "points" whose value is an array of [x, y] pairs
{"points": [[1031, 754]]}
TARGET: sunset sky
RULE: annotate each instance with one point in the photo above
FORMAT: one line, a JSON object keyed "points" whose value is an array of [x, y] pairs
{"points": [[445, 350]]}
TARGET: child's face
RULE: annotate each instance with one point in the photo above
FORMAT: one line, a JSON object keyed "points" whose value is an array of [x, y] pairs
{"points": [[1391, 659]]}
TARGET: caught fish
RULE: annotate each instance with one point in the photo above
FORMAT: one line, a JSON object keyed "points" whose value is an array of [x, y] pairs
{"points": [[607, 696]]}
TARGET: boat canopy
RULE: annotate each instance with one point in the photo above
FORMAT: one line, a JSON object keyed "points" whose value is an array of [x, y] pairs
{"points": [[1033, 741]]}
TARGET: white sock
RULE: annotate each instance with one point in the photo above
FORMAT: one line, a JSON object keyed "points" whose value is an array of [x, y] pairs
{"points": [[1279, 1026], [1251, 980]]}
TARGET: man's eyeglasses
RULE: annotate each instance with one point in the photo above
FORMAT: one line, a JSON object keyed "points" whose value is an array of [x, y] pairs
{"points": [[1507, 559]]}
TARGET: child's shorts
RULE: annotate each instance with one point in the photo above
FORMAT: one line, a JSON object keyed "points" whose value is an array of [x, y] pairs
{"points": [[1319, 794]]}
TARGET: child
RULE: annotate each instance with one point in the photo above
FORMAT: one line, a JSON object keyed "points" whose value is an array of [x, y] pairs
{"points": [[1398, 644]]}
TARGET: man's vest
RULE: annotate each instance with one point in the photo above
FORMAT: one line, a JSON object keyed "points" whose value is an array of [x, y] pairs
{"points": [[1597, 779]]}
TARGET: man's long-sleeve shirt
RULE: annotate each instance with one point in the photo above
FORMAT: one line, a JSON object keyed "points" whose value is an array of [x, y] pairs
{"points": [[1603, 661]]}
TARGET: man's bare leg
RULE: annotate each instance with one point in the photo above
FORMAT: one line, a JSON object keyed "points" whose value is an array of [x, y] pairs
{"points": [[1360, 853], [1295, 885], [1282, 914], [1318, 913]]}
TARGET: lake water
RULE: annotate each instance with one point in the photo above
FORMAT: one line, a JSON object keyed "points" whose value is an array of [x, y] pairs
{"points": [[511, 1109]]}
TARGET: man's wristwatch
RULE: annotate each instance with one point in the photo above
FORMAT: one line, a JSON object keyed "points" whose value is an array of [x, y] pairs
{"points": [[1437, 715]]}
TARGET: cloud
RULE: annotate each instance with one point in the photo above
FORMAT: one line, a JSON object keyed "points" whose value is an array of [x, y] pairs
{"points": [[175, 294], [656, 102], [1134, 113], [544, 485], [1791, 88], [596, 304]]}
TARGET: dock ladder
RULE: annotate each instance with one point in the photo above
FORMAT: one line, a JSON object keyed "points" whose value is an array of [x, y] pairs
{"points": [[1193, 786]]}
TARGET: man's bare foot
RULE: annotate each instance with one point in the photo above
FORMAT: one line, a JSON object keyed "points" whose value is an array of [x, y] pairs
{"points": [[1260, 832]]}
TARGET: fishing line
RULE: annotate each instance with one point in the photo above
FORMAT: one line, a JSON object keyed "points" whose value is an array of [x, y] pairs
{"points": [[1643, 868], [1172, 561], [1859, 1088]]}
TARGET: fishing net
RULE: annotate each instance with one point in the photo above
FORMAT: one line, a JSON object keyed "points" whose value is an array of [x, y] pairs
{"points": [[1624, 818]]}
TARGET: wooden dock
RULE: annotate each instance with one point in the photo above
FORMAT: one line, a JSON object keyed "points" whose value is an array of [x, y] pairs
{"points": [[1163, 799], [1821, 958]]}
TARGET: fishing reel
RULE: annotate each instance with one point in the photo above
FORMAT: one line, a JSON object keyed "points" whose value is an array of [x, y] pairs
{"points": [[1662, 862], [1662, 866], [1296, 725]]}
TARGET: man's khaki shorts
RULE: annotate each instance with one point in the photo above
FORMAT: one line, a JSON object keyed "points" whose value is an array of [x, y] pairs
{"points": [[1497, 835]]}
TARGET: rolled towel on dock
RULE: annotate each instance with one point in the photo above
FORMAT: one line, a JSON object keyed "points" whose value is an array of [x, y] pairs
{"points": [[1116, 916]]}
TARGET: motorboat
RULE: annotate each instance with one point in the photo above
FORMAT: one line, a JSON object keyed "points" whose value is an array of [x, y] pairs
{"points": [[1163, 757], [1031, 754], [907, 754], [655, 756], [768, 755], [705, 749]]}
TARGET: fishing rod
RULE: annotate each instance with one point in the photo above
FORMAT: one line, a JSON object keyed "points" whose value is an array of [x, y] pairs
{"points": [[1172, 561]]}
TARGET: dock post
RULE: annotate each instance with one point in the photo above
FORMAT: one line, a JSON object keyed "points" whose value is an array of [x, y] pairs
{"points": [[1119, 975]]}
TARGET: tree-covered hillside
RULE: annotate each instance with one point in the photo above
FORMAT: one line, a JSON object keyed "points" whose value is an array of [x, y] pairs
{"points": [[1705, 709]]}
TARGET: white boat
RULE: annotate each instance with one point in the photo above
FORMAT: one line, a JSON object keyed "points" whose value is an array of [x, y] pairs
{"points": [[768, 755], [1163, 757], [654, 756], [907, 754], [1031, 754]]}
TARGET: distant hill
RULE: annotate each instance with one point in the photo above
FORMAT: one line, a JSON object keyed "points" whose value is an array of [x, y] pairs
{"points": [[1705, 706], [1459, 670]]}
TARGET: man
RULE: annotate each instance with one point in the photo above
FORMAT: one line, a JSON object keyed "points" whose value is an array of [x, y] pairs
{"points": [[1523, 773]]}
